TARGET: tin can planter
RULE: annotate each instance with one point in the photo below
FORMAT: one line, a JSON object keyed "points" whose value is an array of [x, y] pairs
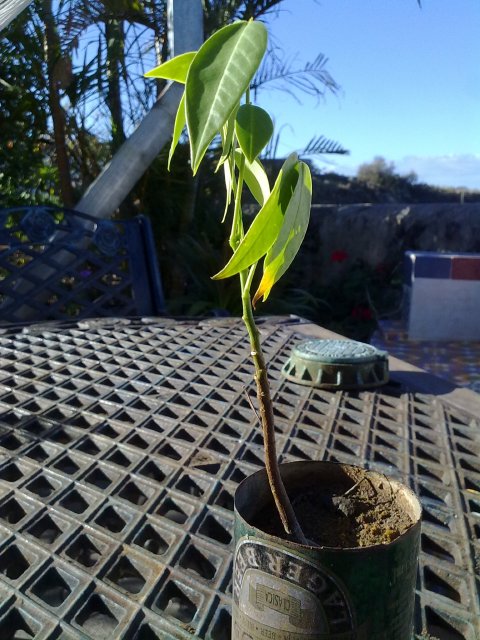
{"points": [[283, 590]]}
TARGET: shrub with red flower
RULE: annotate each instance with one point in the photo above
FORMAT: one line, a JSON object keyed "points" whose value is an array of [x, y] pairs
{"points": [[361, 312], [339, 255], [357, 296]]}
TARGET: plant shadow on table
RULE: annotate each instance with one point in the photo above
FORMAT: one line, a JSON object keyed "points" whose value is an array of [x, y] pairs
{"points": [[419, 381]]}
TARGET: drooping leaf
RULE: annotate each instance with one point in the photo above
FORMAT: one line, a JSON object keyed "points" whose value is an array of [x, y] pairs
{"points": [[254, 128], [255, 178], [174, 69], [227, 133], [289, 240], [229, 182], [218, 76], [180, 122], [267, 224]]}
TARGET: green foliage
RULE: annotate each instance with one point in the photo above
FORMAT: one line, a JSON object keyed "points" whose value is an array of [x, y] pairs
{"points": [[380, 175], [267, 224], [174, 69], [283, 251], [253, 128], [216, 79], [256, 178], [218, 13], [97, 70], [26, 171], [353, 301], [200, 255]]}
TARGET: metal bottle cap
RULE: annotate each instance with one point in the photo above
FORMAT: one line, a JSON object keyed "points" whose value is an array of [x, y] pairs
{"points": [[342, 364]]}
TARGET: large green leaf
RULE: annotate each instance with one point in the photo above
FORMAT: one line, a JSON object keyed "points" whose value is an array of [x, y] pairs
{"points": [[218, 76], [254, 128], [267, 224], [174, 69], [178, 127], [289, 240], [255, 178]]}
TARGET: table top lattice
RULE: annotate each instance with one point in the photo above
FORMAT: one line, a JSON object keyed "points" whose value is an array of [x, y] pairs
{"points": [[122, 442]]}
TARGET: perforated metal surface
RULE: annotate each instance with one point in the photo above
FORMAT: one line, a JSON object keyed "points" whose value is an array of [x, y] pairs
{"points": [[121, 444]]}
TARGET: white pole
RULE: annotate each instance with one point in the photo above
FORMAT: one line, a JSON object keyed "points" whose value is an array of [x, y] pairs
{"points": [[107, 192], [185, 25], [9, 9]]}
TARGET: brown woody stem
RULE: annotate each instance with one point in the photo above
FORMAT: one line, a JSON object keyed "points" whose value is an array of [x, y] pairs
{"points": [[282, 501]]}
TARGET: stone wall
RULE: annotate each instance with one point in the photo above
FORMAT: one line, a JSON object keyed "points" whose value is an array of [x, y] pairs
{"points": [[380, 234]]}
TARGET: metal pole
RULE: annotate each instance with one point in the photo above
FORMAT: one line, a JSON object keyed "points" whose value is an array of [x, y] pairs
{"points": [[9, 9], [107, 192], [185, 25]]}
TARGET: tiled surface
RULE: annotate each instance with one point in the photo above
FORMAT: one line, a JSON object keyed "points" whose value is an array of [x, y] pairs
{"points": [[455, 266], [121, 444], [466, 268], [458, 361]]}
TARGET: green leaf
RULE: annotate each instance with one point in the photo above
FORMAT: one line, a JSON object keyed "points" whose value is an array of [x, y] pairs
{"points": [[280, 256], [267, 224], [219, 75], [174, 69], [254, 128], [255, 178], [227, 132], [229, 185], [178, 127]]}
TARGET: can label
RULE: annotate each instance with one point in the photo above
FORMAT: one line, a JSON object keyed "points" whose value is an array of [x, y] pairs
{"points": [[280, 596]]}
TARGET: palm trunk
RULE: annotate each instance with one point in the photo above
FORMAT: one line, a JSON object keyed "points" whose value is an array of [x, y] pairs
{"points": [[54, 61], [115, 54]]}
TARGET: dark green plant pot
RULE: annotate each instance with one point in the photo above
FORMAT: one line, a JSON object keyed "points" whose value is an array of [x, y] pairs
{"points": [[287, 591]]}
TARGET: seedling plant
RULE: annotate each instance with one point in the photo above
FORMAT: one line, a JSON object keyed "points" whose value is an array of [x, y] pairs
{"points": [[216, 104]]}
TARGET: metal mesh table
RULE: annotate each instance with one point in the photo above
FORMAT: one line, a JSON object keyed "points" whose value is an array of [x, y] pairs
{"points": [[122, 442]]}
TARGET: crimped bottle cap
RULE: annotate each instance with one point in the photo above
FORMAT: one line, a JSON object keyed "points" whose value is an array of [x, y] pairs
{"points": [[342, 364]]}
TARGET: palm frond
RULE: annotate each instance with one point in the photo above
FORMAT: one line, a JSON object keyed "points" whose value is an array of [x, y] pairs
{"points": [[313, 79], [321, 145]]}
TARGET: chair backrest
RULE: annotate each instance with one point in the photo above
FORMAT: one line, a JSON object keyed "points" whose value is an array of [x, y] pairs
{"points": [[58, 263]]}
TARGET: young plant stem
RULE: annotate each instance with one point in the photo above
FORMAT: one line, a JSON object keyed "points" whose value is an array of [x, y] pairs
{"points": [[280, 496], [282, 501]]}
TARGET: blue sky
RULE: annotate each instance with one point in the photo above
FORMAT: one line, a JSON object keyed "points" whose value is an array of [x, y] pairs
{"points": [[409, 78]]}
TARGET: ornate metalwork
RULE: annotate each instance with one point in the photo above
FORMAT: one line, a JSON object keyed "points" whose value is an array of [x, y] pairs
{"points": [[58, 263], [107, 238], [39, 225]]}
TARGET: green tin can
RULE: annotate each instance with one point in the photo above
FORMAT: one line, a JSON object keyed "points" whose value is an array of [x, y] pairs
{"points": [[287, 591]]}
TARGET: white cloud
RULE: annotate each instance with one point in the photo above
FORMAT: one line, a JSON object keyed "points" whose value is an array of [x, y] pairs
{"points": [[461, 170]]}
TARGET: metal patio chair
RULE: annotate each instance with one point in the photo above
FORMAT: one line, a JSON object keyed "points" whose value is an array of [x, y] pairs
{"points": [[57, 263]]}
